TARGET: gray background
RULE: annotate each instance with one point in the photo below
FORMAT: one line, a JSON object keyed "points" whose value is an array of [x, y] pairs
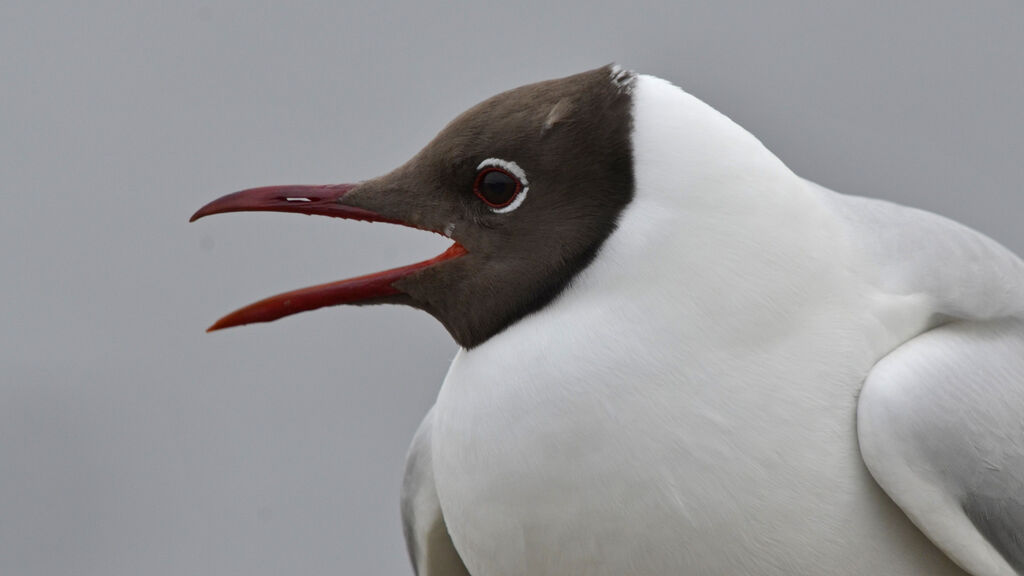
{"points": [[133, 443]]}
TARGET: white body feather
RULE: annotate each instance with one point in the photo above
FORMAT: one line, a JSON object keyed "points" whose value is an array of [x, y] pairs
{"points": [[689, 402]]}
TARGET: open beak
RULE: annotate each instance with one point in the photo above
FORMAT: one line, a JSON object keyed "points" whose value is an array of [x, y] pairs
{"points": [[326, 201]]}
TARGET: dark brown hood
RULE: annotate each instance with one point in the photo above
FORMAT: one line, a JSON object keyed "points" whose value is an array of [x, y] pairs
{"points": [[569, 139]]}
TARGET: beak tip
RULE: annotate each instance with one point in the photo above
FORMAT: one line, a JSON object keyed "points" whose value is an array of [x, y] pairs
{"points": [[199, 213], [203, 212], [218, 325]]}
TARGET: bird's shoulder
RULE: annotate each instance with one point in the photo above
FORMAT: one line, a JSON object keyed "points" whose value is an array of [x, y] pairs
{"points": [[909, 251]]}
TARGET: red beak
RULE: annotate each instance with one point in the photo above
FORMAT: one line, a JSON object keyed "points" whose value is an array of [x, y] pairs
{"points": [[325, 201], [322, 200]]}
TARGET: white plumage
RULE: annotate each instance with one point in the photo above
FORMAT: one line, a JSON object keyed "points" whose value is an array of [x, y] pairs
{"points": [[691, 404]]}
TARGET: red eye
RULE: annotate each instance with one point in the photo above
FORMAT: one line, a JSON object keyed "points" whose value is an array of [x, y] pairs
{"points": [[496, 187]]}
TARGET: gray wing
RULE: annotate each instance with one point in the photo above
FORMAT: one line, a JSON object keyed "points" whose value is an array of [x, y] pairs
{"points": [[426, 535], [941, 428]]}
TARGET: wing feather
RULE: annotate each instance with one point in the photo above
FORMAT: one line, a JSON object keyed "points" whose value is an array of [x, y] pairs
{"points": [[941, 428], [426, 535]]}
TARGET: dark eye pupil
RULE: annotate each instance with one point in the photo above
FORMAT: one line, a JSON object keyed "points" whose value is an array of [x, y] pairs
{"points": [[497, 187]]}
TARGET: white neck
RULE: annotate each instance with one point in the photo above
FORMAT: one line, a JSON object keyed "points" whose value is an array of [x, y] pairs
{"points": [[704, 225]]}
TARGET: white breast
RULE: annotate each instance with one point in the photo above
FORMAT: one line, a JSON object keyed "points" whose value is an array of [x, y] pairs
{"points": [[689, 402]]}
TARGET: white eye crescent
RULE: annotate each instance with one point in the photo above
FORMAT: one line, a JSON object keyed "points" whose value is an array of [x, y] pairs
{"points": [[501, 184]]}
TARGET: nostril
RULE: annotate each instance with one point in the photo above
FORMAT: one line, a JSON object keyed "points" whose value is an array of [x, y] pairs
{"points": [[297, 199]]}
